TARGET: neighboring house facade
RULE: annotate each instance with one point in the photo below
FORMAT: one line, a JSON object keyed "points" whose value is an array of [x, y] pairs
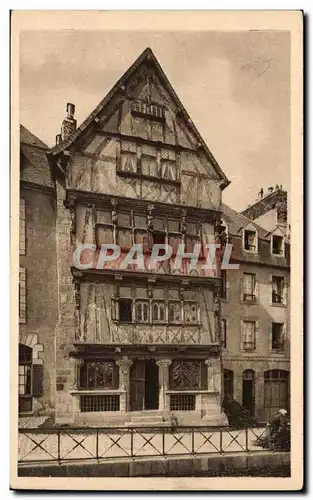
{"points": [[38, 308], [256, 311], [128, 340]]}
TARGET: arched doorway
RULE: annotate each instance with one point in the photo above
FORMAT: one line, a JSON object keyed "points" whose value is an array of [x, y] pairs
{"points": [[228, 383], [276, 391], [248, 391], [25, 399]]}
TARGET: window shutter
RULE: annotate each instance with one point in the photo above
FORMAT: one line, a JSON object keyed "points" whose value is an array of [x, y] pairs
{"points": [[37, 381], [285, 296], [256, 336], [256, 287]]}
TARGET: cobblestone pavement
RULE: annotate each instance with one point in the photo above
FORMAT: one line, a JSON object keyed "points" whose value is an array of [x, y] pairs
{"points": [[76, 445]]}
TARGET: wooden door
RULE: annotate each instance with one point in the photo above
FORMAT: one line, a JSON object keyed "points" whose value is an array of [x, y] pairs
{"points": [[137, 386]]}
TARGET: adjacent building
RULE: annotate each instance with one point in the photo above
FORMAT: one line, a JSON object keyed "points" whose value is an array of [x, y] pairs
{"points": [[38, 292], [255, 307]]}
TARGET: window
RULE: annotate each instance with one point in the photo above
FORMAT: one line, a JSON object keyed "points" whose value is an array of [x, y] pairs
{"points": [[188, 375], [223, 284], [135, 304], [182, 402], [278, 336], [125, 310], [277, 245], [106, 402], [99, 375], [142, 311], [248, 335], [277, 290], [175, 312], [191, 313], [25, 378], [158, 312], [22, 295], [249, 285], [152, 111], [223, 332], [22, 228], [250, 241]]}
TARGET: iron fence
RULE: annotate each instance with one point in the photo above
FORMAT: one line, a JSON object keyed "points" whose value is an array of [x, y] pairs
{"points": [[74, 444]]}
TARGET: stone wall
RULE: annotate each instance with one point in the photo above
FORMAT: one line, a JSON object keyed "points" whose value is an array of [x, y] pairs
{"points": [[40, 265]]}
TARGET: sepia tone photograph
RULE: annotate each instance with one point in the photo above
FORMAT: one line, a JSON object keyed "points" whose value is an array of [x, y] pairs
{"points": [[159, 178]]}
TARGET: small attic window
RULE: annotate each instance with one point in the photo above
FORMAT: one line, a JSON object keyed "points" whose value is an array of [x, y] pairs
{"points": [[250, 240], [152, 111], [277, 245]]}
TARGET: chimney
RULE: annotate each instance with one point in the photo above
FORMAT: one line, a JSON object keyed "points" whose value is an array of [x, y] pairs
{"points": [[69, 123], [58, 139], [260, 194], [270, 189]]}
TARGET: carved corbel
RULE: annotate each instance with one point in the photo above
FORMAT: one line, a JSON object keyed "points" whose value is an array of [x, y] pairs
{"points": [[77, 309], [183, 223], [150, 209], [76, 273], [114, 211]]}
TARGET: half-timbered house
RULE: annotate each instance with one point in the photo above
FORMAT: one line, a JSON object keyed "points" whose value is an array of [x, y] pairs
{"points": [[136, 344]]}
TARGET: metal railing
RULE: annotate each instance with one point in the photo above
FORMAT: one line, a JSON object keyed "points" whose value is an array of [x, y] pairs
{"points": [[96, 443]]}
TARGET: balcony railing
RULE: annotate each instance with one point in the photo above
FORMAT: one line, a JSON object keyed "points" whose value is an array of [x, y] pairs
{"points": [[74, 444]]}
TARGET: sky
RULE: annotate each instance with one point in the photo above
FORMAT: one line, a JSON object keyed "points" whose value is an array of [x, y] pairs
{"points": [[234, 85]]}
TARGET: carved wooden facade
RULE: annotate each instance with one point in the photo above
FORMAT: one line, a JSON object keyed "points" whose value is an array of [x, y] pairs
{"points": [[138, 172]]}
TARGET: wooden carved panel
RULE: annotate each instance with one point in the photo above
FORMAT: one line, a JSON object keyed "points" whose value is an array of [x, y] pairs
{"points": [[128, 187]]}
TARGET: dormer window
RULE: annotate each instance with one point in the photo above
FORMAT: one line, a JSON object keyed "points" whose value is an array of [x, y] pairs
{"points": [[278, 245], [250, 240]]}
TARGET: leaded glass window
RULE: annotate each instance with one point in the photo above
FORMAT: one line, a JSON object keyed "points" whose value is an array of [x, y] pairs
{"points": [[158, 311], [191, 313], [99, 375], [142, 311], [185, 375], [174, 312]]}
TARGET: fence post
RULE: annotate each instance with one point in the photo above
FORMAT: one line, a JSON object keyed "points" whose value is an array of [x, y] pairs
{"points": [[59, 446], [163, 441], [221, 440], [132, 442], [97, 445], [193, 440], [247, 438]]}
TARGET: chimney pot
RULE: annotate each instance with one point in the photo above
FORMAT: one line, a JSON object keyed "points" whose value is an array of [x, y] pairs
{"points": [[69, 123], [70, 109], [58, 139]]}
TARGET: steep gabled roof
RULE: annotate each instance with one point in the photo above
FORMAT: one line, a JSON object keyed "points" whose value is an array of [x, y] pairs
{"points": [[237, 221], [26, 137], [34, 164], [149, 56]]}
